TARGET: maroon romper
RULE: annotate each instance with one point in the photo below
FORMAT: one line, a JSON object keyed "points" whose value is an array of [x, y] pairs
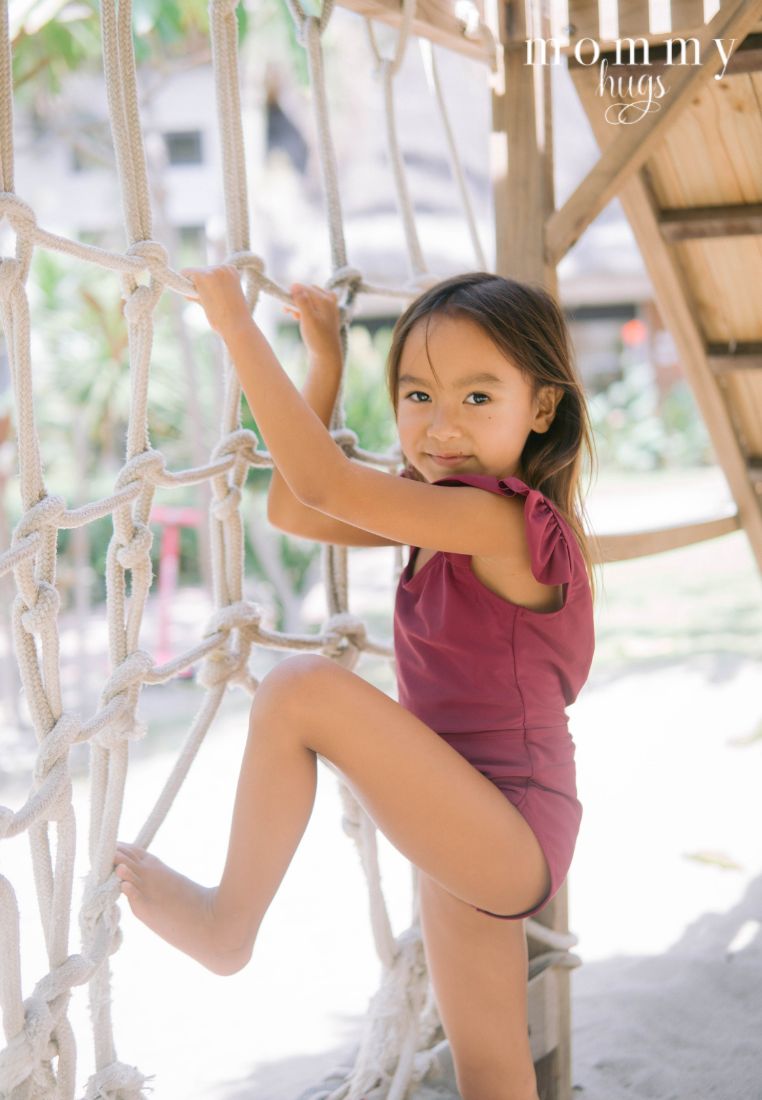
{"points": [[493, 678]]}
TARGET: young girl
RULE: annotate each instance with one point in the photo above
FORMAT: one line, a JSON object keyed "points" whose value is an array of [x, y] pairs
{"points": [[471, 774]]}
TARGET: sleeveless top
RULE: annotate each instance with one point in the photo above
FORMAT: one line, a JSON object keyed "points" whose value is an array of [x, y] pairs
{"points": [[468, 660]]}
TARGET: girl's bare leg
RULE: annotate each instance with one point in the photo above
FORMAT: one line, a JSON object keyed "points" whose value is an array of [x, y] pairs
{"points": [[432, 804]]}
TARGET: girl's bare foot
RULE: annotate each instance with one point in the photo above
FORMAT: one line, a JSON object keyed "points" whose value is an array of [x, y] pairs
{"points": [[180, 911]]}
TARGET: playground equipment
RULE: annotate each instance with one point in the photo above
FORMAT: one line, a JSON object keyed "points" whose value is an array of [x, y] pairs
{"points": [[670, 196]]}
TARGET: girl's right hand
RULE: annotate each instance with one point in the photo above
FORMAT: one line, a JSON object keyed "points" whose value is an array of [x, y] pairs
{"points": [[317, 311]]}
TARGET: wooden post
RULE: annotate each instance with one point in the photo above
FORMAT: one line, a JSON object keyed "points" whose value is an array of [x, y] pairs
{"points": [[521, 147], [521, 156]]}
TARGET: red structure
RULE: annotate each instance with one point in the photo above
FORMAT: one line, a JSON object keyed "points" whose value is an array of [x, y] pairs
{"points": [[171, 519]]}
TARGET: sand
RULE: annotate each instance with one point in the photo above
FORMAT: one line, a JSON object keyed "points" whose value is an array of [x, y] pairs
{"points": [[665, 1005]]}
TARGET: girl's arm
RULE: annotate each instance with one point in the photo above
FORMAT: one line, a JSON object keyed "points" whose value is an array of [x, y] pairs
{"points": [[318, 315], [321, 476]]}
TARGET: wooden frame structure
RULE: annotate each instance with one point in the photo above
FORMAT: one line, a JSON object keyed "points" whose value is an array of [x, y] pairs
{"points": [[694, 201]]}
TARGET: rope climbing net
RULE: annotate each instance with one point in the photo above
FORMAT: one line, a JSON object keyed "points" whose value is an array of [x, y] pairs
{"points": [[397, 1047]]}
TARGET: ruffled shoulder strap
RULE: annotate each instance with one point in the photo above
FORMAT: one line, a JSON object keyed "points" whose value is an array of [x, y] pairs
{"points": [[549, 543], [546, 533]]}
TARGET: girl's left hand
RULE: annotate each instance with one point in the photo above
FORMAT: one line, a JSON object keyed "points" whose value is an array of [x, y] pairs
{"points": [[220, 294]]}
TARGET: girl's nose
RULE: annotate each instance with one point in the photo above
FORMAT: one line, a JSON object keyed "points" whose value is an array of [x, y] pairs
{"points": [[443, 424]]}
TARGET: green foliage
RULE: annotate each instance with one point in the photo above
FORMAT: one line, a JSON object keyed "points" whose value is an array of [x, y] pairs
{"points": [[635, 430], [56, 46], [366, 400], [367, 407], [70, 38], [368, 412]]}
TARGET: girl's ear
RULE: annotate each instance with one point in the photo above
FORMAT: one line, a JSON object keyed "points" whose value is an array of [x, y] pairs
{"points": [[548, 400]]}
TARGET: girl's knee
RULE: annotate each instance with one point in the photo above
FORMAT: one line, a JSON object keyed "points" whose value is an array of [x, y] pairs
{"points": [[295, 681]]}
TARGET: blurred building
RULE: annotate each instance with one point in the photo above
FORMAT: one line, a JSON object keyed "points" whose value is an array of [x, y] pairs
{"points": [[66, 171]]}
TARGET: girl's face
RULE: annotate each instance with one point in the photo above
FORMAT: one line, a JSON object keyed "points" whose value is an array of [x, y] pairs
{"points": [[475, 416]]}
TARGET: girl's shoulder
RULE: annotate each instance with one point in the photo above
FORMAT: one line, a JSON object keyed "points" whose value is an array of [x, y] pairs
{"points": [[552, 546]]}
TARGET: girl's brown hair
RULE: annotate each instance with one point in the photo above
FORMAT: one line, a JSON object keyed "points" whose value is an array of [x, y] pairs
{"points": [[526, 323]]}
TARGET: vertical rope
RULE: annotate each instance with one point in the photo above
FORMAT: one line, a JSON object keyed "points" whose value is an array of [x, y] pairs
{"points": [[388, 68], [428, 53], [6, 102]]}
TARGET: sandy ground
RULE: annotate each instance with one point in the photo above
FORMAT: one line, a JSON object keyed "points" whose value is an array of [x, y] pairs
{"points": [[665, 895]]}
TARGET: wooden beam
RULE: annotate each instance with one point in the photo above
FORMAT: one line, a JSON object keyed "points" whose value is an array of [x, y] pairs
{"points": [[521, 159], [542, 1013], [723, 358], [584, 23], [588, 20], [679, 311], [640, 544], [697, 222], [437, 21], [745, 58], [635, 143]]}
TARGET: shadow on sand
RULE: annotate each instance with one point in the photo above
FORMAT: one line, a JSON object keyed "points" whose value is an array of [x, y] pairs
{"points": [[683, 1025]]}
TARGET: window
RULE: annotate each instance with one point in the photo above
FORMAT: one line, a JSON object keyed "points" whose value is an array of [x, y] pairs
{"points": [[283, 134], [184, 147]]}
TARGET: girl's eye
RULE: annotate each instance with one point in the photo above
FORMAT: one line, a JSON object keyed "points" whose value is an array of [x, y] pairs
{"points": [[425, 396]]}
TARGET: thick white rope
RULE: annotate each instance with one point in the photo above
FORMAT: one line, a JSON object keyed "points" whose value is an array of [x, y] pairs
{"points": [[429, 57], [388, 69], [37, 1028]]}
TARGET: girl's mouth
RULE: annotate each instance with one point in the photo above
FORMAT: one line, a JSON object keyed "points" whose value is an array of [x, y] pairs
{"points": [[449, 460]]}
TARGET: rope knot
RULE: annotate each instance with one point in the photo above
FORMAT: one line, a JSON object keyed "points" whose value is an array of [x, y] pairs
{"points": [[99, 915], [131, 672], [247, 261], [138, 549], [141, 466], [242, 615], [346, 439], [111, 737], [239, 441], [141, 303], [44, 610], [11, 276], [44, 513], [116, 1081], [223, 508], [345, 276], [19, 214], [345, 637], [65, 733], [127, 678], [153, 252], [219, 667], [30, 1049]]}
